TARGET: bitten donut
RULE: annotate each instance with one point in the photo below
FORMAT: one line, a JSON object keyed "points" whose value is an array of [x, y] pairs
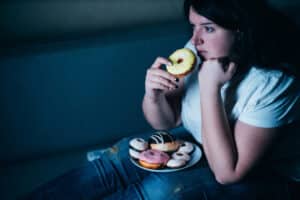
{"points": [[163, 141], [186, 147], [153, 159], [138, 144], [175, 163], [183, 62], [134, 154], [181, 156]]}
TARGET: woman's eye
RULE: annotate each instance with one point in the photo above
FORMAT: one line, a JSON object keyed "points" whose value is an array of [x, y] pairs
{"points": [[209, 29]]}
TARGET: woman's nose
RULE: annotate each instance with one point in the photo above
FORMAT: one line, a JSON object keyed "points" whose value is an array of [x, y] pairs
{"points": [[196, 38]]}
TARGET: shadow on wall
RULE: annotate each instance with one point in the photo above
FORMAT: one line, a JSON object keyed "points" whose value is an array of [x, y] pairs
{"points": [[282, 31], [31, 20]]}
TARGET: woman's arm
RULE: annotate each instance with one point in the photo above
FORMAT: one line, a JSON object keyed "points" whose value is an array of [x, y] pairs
{"points": [[231, 153], [161, 102]]}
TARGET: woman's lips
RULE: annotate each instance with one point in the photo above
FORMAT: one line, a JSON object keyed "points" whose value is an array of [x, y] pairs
{"points": [[202, 54]]}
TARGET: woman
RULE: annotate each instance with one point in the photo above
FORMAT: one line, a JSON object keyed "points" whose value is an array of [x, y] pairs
{"points": [[244, 130], [234, 104]]}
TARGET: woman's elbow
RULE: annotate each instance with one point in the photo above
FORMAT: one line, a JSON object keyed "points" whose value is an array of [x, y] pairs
{"points": [[228, 178]]}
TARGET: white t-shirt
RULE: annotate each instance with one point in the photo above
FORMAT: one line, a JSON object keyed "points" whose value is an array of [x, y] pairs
{"points": [[265, 98]]}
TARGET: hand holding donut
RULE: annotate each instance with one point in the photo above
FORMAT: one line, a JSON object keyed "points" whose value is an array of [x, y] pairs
{"points": [[158, 81]]}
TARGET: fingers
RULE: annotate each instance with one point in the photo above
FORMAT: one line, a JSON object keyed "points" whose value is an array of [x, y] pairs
{"points": [[161, 86], [225, 63], [162, 73], [160, 79], [159, 61], [231, 68], [223, 60], [229, 73]]}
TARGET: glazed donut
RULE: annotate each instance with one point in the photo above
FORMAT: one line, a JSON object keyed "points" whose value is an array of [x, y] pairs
{"points": [[175, 163], [138, 144], [181, 156], [186, 147], [183, 62], [134, 154], [153, 159], [163, 141]]}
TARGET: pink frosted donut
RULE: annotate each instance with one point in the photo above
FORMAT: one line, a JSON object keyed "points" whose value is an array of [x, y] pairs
{"points": [[186, 147], [153, 159], [181, 156], [138, 144]]}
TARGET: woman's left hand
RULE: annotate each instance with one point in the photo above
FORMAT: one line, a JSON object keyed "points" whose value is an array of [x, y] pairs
{"points": [[213, 73]]}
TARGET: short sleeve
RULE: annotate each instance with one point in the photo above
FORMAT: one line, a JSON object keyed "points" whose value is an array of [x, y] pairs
{"points": [[274, 102]]}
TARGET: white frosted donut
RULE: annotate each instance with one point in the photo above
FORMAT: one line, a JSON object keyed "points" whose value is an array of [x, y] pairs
{"points": [[134, 154], [186, 147], [175, 163], [138, 144], [181, 155]]}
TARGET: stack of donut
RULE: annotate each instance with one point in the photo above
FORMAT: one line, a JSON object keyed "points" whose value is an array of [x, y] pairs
{"points": [[160, 151]]}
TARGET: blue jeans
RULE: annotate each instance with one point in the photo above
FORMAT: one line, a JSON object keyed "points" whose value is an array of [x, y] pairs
{"points": [[113, 176]]}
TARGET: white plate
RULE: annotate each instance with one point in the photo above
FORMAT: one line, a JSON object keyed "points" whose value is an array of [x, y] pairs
{"points": [[195, 157]]}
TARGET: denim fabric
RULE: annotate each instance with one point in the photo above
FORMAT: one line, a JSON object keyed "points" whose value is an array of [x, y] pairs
{"points": [[113, 177]]}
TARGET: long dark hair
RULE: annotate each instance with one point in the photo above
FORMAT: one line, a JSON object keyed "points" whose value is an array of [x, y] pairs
{"points": [[258, 38], [264, 37]]}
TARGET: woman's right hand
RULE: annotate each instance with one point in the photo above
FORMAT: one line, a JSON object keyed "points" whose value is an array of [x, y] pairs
{"points": [[159, 81]]}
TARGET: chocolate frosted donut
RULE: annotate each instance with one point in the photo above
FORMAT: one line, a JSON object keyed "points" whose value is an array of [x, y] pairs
{"points": [[163, 141]]}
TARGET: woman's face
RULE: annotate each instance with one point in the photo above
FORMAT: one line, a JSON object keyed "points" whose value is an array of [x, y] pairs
{"points": [[211, 40]]}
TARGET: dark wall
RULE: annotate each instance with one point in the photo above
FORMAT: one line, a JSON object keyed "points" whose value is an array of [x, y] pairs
{"points": [[61, 96], [32, 20]]}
